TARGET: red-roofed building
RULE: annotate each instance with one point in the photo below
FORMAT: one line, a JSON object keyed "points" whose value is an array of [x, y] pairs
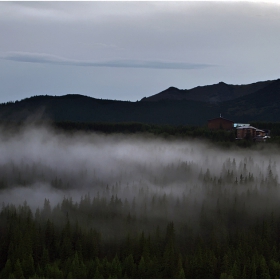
{"points": [[220, 123]]}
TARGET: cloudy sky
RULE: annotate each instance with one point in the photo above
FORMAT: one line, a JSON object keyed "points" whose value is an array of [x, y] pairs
{"points": [[129, 50]]}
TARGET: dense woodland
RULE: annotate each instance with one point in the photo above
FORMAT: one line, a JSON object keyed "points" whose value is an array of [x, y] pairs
{"points": [[86, 205]]}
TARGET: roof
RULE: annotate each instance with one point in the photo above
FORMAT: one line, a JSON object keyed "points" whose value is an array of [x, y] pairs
{"points": [[246, 127], [240, 124], [221, 118]]}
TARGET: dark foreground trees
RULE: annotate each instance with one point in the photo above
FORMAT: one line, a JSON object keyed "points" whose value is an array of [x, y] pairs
{"points": [[57, 245]]}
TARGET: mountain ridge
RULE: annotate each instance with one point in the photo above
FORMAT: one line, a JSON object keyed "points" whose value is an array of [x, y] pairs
{"points": [[215, 93], [260, 102]]}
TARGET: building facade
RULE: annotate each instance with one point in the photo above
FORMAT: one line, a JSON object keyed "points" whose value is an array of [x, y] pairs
{"points": [[246, 131], [220, 123]]}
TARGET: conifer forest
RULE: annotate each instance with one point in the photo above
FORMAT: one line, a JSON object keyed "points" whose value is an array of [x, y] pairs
{"points": [[96, 205]]}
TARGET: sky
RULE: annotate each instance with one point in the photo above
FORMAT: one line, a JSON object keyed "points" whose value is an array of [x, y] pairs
{"points": [[130, 50]]}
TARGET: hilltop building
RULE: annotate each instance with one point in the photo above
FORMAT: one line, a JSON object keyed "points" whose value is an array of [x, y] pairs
{"points": [[246, 131], [220, 123], [243, 130]]}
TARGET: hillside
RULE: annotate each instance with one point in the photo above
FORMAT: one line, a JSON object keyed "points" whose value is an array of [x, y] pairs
{"points": [[80, 108], [255, 102], [212, 93], [262, 105]]}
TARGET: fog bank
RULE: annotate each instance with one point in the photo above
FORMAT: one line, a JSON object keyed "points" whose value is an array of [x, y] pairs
{"points": [[38, 163]]}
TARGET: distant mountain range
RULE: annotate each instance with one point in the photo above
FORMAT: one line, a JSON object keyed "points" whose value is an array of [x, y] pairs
{"points": [[213, 93], [241, 103]]}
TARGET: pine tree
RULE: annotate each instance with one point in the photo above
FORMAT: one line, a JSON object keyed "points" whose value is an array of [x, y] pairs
{"points": [[53, 271], [141, 272], [97, 274], [50, 240], [116, 268], [169, 255], [129, 266], [28, 266], [18, 270], [7, 269], [263, 269], [179, 273], [45, 258], [78, 268], [46, 212]]}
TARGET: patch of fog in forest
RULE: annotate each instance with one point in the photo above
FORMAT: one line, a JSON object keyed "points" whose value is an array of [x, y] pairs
{"points": [[33, 195], [37, 163]]}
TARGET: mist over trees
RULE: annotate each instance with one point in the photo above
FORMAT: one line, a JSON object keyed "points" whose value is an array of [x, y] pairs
{"points": [[88, 205]]}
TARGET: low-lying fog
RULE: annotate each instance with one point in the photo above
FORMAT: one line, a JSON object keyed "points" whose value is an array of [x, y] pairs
{"points": [[37, 163]]}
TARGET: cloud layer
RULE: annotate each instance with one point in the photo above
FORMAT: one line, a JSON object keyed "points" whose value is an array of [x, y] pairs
{"points": [[56, 60]]}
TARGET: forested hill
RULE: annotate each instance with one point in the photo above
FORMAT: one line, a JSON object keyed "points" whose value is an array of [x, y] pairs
{"points": [[211, 93], [260, 103], [78, 108]]}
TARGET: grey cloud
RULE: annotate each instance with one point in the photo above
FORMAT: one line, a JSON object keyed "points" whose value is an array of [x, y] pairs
{"points": [[56, 60]]}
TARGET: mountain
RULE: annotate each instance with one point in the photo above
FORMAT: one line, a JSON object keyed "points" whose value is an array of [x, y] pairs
{"points": [[79, 108], [262, 105], [212, 93], [246, 103]]}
